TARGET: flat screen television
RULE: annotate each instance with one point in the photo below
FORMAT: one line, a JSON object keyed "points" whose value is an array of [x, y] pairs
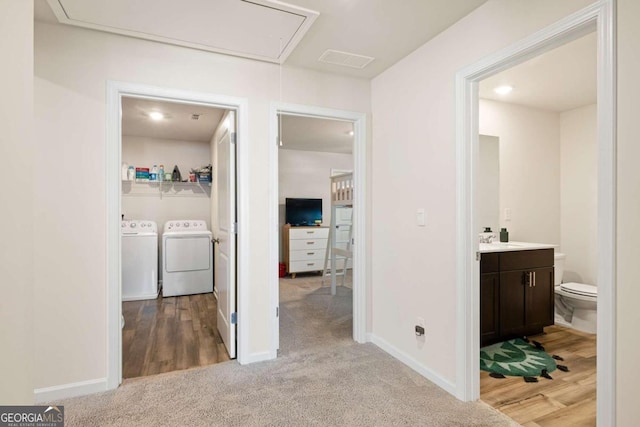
{"points": [[299, 212]]}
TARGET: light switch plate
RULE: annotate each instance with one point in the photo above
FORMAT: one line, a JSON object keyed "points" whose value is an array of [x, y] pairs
{"points": [[420, 217], [507, 214]]}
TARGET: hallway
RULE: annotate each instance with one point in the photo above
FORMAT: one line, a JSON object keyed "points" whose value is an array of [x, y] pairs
{"points": [[321, 377]]}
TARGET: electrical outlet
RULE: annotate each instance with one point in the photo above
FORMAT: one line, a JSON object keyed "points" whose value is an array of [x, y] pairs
{"points": [[507, 214], [421, 217], [420, 328]]}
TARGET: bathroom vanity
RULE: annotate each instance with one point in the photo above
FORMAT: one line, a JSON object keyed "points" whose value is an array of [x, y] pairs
{"points": [[516, 290]]}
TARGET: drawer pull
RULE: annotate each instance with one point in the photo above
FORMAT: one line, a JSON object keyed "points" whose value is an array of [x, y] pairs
{"points": [[311, 253], [311, 263], [310, 232], [311, 243]]}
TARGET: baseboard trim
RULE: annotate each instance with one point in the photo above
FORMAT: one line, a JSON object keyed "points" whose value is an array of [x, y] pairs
{"points": [[64, 391], [414, 364], [260, 357], [141, 297]]}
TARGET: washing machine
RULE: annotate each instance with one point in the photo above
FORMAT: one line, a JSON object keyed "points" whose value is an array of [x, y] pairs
{"points": [[187, 258], [139, 260]]}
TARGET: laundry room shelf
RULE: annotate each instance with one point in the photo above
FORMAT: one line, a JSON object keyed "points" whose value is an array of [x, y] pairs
{"points": [[166, 189]]}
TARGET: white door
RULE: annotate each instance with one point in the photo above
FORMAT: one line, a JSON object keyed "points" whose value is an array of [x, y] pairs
{"points": [[224, 233]]}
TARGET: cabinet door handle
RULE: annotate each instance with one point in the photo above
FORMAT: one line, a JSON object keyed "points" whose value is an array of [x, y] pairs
{"points": [[530, 276], [533, 278]]}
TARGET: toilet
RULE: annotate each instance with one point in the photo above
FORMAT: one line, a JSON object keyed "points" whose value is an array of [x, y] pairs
{"points": [[575, 303]]}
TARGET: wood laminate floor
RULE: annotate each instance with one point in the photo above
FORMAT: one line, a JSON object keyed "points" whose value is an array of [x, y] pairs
{"points": [[168, 334], [567, 400]]}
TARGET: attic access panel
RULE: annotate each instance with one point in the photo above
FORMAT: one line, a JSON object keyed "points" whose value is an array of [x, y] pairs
{"points": [[257, 29]]}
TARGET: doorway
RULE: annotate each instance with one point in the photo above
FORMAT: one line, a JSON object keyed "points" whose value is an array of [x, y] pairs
{"points": [[596, 17], [316, 311], [174, 318], [358, 121], [231, 127], [549, 118]]}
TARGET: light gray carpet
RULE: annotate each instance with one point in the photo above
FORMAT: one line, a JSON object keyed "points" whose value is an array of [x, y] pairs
{"points": [[321, 378]]}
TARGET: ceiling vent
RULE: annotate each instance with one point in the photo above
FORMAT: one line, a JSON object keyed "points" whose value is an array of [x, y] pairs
{"points": [[195, 117], [345, 59]]}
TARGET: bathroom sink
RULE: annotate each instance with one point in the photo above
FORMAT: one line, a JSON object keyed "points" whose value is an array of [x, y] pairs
{"points": [[512, 246], [506, 245]]}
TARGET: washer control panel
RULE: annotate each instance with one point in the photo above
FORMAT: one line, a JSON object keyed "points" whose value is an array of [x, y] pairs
{"points": [[135, 226], [185, 225]]}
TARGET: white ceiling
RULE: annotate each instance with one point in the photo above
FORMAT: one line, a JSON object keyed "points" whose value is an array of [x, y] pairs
{"points": [[177, 125], [387, 30], [383, 29], [559, 80], [316, 134]]}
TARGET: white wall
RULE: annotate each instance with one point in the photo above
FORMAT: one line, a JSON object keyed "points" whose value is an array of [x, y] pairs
{"points": [[529, 169], [414, 166], [628, 267], [306, 174], [17, 213], [144, 201], [579, 193], [145, 152], [72, 67], [548, 178], [489, 183]]}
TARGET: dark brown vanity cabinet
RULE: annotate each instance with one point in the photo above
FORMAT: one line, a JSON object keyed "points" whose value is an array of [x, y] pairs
{"points": [[516, 294], [489, 298]]}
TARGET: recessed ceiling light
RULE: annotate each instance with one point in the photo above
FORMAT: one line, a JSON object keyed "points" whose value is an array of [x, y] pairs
{"points": [[156, 115], [503, 90]]}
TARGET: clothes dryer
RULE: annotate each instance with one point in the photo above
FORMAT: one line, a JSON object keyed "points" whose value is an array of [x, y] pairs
{"points": [[187, 258]]}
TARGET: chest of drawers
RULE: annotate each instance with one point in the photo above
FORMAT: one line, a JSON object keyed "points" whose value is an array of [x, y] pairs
{"points": [[304, 248]]}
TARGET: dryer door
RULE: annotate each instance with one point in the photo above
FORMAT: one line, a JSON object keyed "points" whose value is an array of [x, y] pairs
{"points": [[187, 253]]}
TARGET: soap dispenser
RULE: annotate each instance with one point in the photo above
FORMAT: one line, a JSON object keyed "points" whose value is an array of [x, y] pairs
{"points": [[504, 235], [487, 235]]}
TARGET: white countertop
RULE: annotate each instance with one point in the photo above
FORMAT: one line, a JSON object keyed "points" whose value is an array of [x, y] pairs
{"points": [[513, 246]]}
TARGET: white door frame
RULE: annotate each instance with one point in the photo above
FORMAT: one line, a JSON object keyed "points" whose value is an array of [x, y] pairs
{"points": [[360, 263], [115, 92], [600, 17]]}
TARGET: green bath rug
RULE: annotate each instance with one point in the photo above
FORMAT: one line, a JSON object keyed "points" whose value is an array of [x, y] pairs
{"points": [[516, 358]]}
